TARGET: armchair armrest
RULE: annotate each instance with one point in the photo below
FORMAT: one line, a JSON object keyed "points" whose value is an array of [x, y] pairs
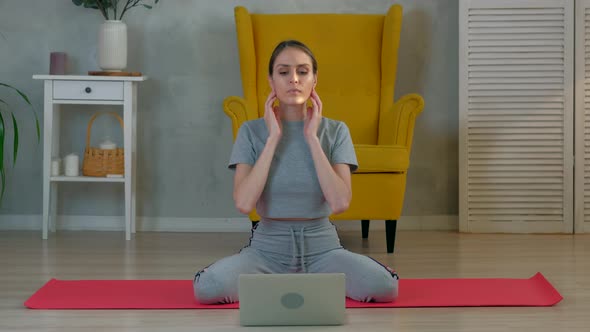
{"points": [[237, 110], [382, 158], [396, 126]]}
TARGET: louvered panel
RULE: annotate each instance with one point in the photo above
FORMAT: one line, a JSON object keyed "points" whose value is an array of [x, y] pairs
{"points": [[516, 193], [526, 74], [517, 80], [517, 143], [507, 42], [500, 168], [501, 49], [499, 180], [543, 205], [513, 149], [515, 68], [518, 175], [521, 186], [498, 89], [502, 218], [517, 18], [517, 55], [514, 97], [475, 214], [583, 117], [509, 117], [508, 14], [585, 155], [520, 36], [513, 31], [524, 139], [512, 25], [507, 126], [493, 101], [517, 61], [521, 155], [493, 91], [516, 109], [531, 162]]}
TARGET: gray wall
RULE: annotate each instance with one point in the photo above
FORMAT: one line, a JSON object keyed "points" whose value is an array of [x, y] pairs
{"points": [[188, 50]]}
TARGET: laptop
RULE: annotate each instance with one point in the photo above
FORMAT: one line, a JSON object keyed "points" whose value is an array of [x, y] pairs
{"points": [[292, 299]]}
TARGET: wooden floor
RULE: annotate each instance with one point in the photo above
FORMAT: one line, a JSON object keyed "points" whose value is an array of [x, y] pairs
{"points": [[27, 262]]}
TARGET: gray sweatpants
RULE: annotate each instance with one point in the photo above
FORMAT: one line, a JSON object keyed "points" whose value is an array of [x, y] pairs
{"points": [[293, 247]]}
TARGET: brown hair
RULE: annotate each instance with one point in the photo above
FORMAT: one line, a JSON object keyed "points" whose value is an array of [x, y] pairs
{"points": [[295, 44]]}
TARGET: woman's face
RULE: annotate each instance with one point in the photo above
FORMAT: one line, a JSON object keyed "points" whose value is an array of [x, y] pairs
{"points": [[293, 78]]}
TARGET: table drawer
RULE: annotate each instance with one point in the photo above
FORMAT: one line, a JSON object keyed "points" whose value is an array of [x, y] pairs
{"points": [[85, 90]]}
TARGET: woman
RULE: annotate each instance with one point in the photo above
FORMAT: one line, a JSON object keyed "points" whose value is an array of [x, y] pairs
{"points": [[294, 166]]}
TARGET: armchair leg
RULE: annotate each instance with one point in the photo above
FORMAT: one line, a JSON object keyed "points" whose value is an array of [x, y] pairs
{"points": [[365, 228], [254, 222], [390, 227]]}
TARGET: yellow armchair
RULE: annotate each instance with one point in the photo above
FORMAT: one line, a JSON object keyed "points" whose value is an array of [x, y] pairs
{"points": [[357, 62]]}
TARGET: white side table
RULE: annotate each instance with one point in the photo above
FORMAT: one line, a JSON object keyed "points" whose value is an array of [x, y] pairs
{"points": [[88, 90]]}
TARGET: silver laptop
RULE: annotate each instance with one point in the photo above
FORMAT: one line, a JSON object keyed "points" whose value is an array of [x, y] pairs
{"points": [[292, 299]]}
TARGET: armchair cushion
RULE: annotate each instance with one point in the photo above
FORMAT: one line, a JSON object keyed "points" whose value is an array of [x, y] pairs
{"points": [[382, 158]]}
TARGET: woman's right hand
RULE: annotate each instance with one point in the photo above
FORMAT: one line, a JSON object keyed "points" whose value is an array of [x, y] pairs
{"points": [[271, 117]]}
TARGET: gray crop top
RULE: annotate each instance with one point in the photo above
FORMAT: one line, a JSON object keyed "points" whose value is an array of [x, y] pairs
{"points": [[292, 188]]}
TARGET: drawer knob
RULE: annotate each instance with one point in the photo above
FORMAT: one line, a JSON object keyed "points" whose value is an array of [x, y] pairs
{"points": [[88, 89]]}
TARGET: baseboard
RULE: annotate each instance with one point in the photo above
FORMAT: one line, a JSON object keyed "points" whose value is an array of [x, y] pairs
{"points": [[166, 224], [409, 223]]}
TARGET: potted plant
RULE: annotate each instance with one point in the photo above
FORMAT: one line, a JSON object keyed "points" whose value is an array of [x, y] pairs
{"points": [[5, 114], [112, 36]]}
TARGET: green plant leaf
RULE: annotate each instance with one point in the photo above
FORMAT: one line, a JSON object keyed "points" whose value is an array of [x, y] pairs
{"points": [[148, 6], [90, 4], [38, 129], [3, 132], [3, 176], [26, 99], [23, 96], [15, 129]]}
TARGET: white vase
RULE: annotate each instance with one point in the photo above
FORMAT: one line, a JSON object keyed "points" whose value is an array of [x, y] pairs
{"points": [[112, 45]]}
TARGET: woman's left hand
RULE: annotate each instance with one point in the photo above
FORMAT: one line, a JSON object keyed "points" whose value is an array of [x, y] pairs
{"points": [[313, 118]]}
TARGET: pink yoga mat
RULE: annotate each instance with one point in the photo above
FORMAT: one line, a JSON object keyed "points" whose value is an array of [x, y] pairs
{"points": [[178, 294]]}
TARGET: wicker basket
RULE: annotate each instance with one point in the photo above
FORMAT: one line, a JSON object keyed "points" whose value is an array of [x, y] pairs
{"points": [[100, 162]]}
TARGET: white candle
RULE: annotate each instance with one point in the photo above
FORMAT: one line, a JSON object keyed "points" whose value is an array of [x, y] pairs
{"points": [[71, 165], [55, 167]]}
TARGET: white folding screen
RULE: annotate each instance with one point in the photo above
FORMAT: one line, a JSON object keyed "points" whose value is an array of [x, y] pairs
{"points": [[516, 102], [582, 123]]}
